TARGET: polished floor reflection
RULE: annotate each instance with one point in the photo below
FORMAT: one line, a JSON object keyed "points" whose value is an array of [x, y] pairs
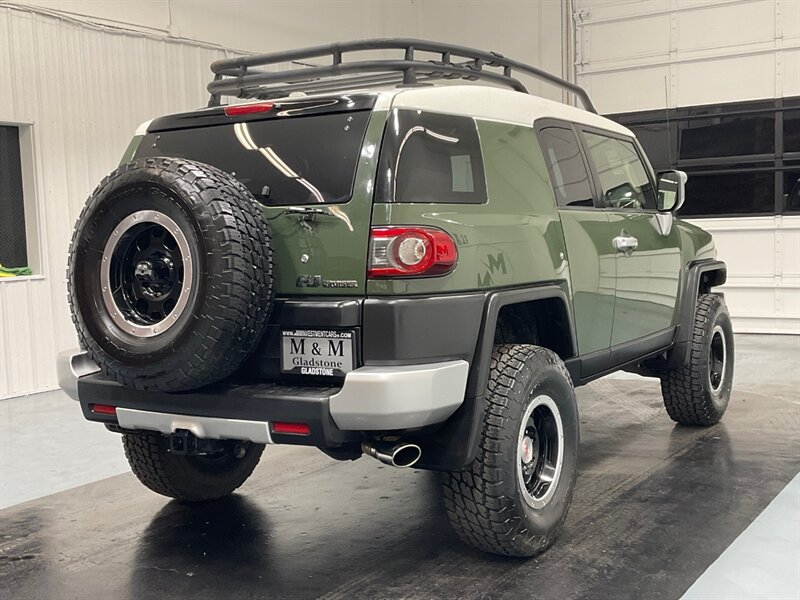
{"points": [[656, 504]]}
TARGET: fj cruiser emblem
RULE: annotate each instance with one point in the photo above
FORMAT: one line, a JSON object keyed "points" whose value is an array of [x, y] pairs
{"points": [[317, 281]]}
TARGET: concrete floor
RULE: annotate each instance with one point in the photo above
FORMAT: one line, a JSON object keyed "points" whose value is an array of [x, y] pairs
{"points": [[46, 446], [656, 505], [764, 561]]}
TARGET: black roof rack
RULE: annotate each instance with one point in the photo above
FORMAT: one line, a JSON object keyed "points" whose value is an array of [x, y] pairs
{"points": [[237, 77]]}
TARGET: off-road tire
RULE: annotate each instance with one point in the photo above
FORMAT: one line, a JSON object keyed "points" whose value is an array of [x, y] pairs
{"points": [[485, 503], [188, 478], [688, 394], [230, 297]]}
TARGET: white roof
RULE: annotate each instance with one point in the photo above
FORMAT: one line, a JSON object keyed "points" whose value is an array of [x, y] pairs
{"points": [[495, 104]]}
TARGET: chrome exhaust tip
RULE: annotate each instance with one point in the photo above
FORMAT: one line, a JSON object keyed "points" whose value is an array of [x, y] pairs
{"points": [[395, 455]]}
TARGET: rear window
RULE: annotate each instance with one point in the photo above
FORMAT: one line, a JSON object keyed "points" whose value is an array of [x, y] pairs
{"points": [[432, 158], [282, 161]]}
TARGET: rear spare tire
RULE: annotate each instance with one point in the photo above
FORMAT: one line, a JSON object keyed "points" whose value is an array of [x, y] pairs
{"points": [[170, 274]]}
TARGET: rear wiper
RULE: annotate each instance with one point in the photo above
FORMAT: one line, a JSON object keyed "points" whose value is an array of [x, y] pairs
{"points": [[307, 213]]}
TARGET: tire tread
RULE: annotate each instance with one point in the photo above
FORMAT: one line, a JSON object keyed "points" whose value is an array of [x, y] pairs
{"points": [[683, 389], [237, 300], [150, 462], [477, 509]]}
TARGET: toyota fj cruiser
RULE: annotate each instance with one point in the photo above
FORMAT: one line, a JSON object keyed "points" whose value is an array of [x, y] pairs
{"points": [[359, 260]]}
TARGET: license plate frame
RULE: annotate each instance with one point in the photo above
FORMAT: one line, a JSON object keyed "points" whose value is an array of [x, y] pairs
{"points": [[317, 352]]}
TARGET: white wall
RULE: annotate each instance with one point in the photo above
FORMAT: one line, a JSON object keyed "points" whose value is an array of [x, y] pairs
{"points": [[634, 55], [763, 256], [526, 30], [247, 25], [86, 73], [650, 54], [84, 91]]}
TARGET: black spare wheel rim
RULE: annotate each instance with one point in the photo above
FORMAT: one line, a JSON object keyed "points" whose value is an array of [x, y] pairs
{"points": [[146, 274], [170, 274]]}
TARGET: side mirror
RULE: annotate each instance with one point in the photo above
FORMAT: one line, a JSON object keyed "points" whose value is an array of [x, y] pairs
{"points": [[671, 190]]}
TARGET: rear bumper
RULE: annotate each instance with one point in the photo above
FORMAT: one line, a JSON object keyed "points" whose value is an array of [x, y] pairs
{"points": [[370, 399]]}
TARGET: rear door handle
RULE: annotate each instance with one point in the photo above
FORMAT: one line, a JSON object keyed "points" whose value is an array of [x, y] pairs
{"points": [[625, 244]]}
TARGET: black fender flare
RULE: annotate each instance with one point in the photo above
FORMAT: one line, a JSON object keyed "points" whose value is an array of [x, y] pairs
{"points": [[479, 371], [455, 445], [699, 277]]}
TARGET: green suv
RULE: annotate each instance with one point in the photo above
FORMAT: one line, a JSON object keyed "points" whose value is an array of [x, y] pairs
{"points": [[359, 260]]}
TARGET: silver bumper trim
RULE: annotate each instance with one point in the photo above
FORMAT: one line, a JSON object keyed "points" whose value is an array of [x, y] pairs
{"points": [[202, 427], [372, 398], [71, 365], [377, 398]]}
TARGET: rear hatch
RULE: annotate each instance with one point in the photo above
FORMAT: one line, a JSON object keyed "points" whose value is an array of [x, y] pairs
{"points": [[310, 163]]}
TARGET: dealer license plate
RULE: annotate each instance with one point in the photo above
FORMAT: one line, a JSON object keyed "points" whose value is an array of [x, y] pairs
{"points": [[317, 352]]}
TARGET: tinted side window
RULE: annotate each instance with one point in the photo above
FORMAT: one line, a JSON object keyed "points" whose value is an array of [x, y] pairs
{"points": [[563, 156], [429, 157], [623, 178]]}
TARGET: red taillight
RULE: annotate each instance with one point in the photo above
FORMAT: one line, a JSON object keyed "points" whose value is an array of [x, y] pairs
{"points": [[104, 409], [248, 109], [291, 428], [411, 251]]}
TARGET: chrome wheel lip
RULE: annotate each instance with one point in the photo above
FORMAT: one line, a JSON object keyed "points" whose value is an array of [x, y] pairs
{"points": [[541, 501], [717, 331], [114, 311]]}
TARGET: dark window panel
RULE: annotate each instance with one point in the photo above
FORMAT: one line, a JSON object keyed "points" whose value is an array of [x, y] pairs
{"points": [[729, 194], [568, 171], [13, 244], [791, 131], [715, 169], [791, 190], [727, 108], [712, 137], [656, 140], [727, 136]]}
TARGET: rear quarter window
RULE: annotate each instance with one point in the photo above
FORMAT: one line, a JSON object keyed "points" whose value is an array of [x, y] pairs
{"points": [[430, 158]]}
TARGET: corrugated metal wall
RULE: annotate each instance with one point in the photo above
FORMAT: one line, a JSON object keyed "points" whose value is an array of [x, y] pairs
{"points": [[763, 256], [84, 90], [651, 54]]}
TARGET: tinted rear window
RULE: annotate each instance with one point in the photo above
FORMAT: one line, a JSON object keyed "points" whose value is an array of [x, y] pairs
{"points": [[283, 161], [432, 158]]}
